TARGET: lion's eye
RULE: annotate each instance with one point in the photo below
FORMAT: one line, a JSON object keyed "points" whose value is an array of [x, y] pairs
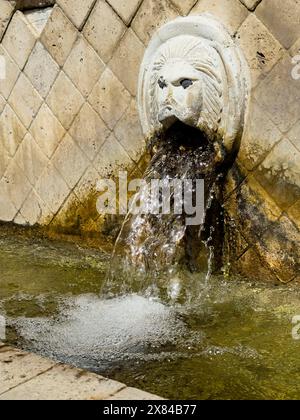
{"points": [[186, 83], [162, 83]]}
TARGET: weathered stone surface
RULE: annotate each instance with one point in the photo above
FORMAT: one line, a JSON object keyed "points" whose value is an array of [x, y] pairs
{"points": [[279, 174], [31, 159], [19, 39], [59, 36], [38, 19], [280, 84], [64, 100], [7, 209], [18, 186], [126, 9], [131, 51], [6, 11], [77, 11], [294, 214], [261, 49], [294, 135], [282, 18], [184, 7], [129, 133], [251, 4], [25, 100], [104, 30], [89, 131], [12, 74], [83, 66], [231, 12], [17, 367], [110, 98], [2, 104], [257, 143], [52, 189], [70, 161], [41, 69], [112, 158], [12, 131], [47, 130], [34, 210], [151, 15]]}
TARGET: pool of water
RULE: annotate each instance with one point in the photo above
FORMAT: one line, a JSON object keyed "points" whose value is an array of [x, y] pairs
{"points": [[233, 340]]}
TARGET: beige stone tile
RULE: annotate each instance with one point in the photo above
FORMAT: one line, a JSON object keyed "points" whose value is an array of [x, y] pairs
{"points": [[134, 394], [6, 11], [70, 161], [2, 104], [129, 133], [295, 50], [7, 209], [261, 49], [47, 131], [257, 142], [87, 185], [33, 209], [19, 220], [17, 367], [18, 187], [4, 159], [84, 66], [230, 12], [294, 135], [12, 74], [282, 18], [279, 95], [12, 131], [110, 98], [130, 51], [25, 100], [77, 11], [89, 131], [65, 100], [64, 383], [251, 4], [126, 9], [59, 36], [19, 39], [52, 189], [112, 158], [38, 18], [294, 214], [279, 174], [30, 159], [151, 16], [104, 30], [185, 6], [41, 69]]}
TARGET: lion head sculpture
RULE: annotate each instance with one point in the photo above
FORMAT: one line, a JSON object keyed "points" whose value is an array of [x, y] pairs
{"points": [[194, 72]]}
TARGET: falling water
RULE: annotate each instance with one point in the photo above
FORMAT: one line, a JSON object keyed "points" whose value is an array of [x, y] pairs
{"points": [[153, 248]]}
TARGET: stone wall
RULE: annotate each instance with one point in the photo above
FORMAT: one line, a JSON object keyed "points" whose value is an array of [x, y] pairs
{"points": [[69, 117]]}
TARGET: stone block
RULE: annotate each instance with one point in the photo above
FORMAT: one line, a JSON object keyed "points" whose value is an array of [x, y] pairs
{"points": [[12, 131], [150, 17], [230, 12], [65, 100], [110, 98], [282, 19], [41, 69], [38, 19], [18, 187], [77, 11], [130, 51], [184, 7], [47, 131], [279, 174], [52, 189], [59, 36], [126, 9], [19, 39], [104, 30], [6, 11], [257, 142], [7, 209], [294, 135], [89, 131], [294, 214], [70, 161], [279, 95], [25, 100], [35, 211], [30, 159], [261, 49], [84, 67], [129, 133], [251, 4], [12, 74]]}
